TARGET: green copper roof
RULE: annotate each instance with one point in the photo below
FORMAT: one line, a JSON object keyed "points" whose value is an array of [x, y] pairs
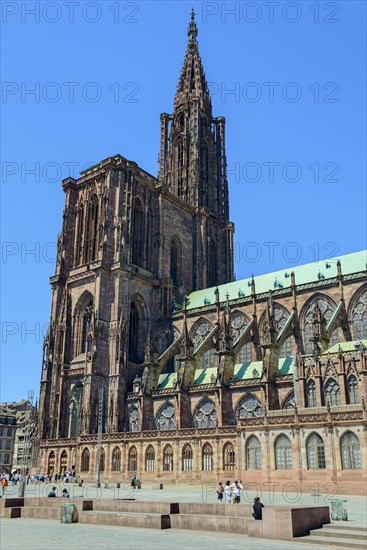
{"points": [[348, 346], [242, 371], [167, 381], [286, 365], [245, 371], [204, 376], [308, 273]]}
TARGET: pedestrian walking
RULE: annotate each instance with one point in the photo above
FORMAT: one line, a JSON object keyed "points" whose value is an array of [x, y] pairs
{"points": [[220, 491], [227, 492]]}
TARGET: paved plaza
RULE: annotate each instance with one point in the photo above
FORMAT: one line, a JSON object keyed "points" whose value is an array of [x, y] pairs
{"points": [[19, 534]]}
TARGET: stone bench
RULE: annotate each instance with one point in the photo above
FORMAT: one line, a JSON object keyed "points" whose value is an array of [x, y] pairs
{"points": [[37, 512], [197, 508], [285, 523], [127, 519], [154, 507], [11, 513], [222, 524]]}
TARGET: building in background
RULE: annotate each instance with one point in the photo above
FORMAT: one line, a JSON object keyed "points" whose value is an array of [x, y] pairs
{"points": [[25, 414], [8, 426], [263, 379]]}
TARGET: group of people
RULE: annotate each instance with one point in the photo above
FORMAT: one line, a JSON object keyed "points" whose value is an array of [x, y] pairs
{"points": [[135, 483], [52, 493], [231, 493], [67, 476]]}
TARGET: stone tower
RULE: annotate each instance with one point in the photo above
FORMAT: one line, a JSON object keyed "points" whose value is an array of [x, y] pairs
{"points": [[130, 245], [192, 166]]}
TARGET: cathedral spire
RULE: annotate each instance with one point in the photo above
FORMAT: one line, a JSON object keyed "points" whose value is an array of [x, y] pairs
{"points": [[193, 166], [192, 82]]}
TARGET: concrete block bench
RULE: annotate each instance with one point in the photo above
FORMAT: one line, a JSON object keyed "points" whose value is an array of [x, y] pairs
{"points": [[127, 519], [222, 524]]}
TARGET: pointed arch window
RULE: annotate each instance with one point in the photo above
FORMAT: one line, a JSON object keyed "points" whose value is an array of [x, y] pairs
{"points": [[174, 262], [149, 254], [307, 335], [359, 317], [229, 458], [250, 406], [133, 419], [91, 235], [350, 452], [180, 165], [289, 402], [332, 392], [205, 415], [187, 458], [207, 458], [168, 459], [327, 309], [165, 418], [239, 322], [150, 459], [353, 392], [74, 412], [280, 318], [311, 394], [212, 264], [253, 453], [134, 332], [132, 461], [138, 233], [116, 460], [207, 359], [51, 463], [245, 355], [86, 343], [315, 452], [78, 258], [198, 335], [85, 460], [63, 461], [283, 453]]}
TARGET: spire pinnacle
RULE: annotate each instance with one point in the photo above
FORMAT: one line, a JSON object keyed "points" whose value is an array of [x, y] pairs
{"points": [[193, 30]]}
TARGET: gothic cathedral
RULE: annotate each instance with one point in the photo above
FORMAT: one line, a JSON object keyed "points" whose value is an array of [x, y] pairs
{"points": [[189, 374]]}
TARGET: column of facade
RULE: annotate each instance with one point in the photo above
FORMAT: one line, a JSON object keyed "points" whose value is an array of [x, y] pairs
{"points": [[218, 453], [343, 388], [297, 454], [159, 459], [176, 458], [197, 461], [318, 388], [267, 455], [140, 461], [300, 392]]}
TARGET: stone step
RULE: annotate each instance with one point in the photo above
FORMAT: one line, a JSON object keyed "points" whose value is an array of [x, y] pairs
{"points": [[143, 507], [11, 513], [345, 533], [222, 524], [343, 527], [127, 519], [339, 542], [206, 509], [38, 512]]}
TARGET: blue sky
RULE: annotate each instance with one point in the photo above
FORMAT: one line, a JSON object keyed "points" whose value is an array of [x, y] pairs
{"points": [[102, 72]]}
